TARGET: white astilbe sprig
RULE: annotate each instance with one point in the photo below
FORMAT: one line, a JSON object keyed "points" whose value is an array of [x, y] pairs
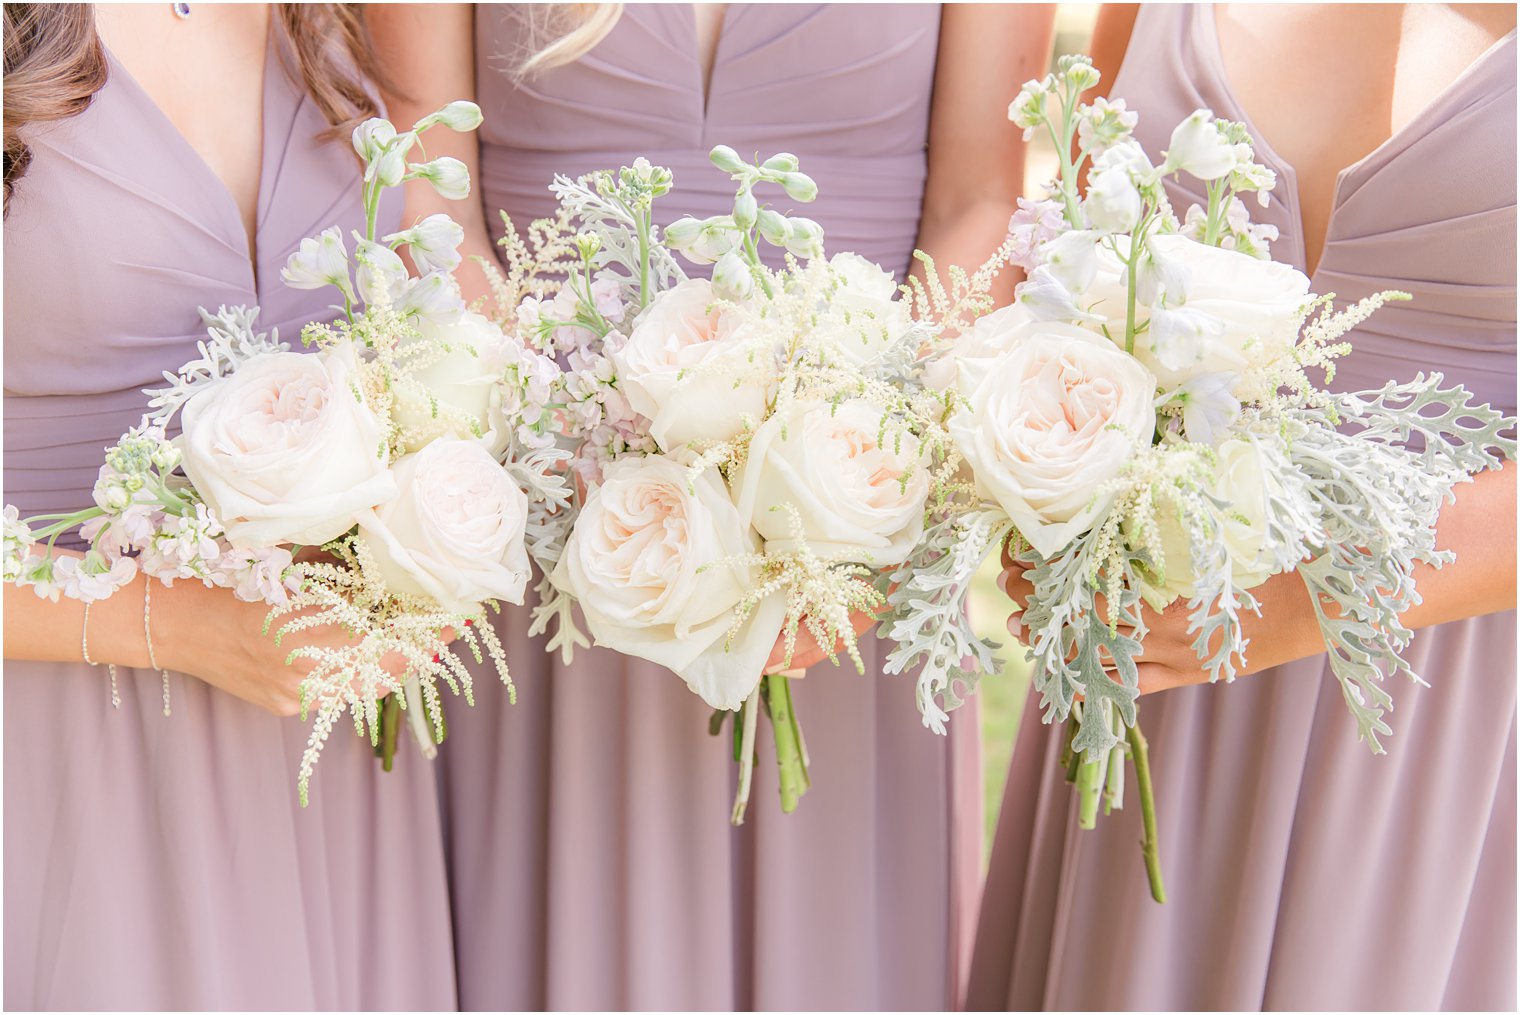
{"points": [[231, 340], [951, 309], [821, 594], [384, 628], [929, 622]]}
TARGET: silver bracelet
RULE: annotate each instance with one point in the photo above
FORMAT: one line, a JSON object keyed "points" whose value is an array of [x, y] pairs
{"points": [[148, 637], [84, 650]]}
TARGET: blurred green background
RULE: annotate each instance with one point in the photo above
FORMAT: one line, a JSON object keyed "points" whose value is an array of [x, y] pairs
{"points": [[1002, 696]]}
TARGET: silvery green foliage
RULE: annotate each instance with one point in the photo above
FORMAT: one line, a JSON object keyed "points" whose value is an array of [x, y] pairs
{"points": [[928, 621], [614, 209], [1378, 501], [1070, 641], [231, 341]]}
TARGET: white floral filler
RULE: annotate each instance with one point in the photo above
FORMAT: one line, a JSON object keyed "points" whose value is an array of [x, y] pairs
{"points": [[381, 451], [752, 454], [1146, 422]]}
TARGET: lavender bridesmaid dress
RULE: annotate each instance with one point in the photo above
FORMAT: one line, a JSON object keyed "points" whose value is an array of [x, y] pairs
{"points": [[164, 863], [589, 837], [1304, 872]]}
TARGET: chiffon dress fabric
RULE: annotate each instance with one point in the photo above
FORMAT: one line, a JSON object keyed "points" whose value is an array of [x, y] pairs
{"points": [[593, 861], [157, 862], [1303, 871]]}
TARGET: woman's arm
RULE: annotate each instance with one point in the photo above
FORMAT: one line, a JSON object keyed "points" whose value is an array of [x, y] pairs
{"points": [[1479, 527], [429, 50], [976, 156], [1110, 41], [207, 633]]}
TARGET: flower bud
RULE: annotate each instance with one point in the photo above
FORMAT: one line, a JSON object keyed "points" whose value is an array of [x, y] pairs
{"points": [[682, 233], [716, 236], [389, 168], [782, 162], [732, 278], [799, 187], [805, 238], [745, 209], [726, 159], [166, 457], [1199, 148], [1079, 71], [433, 243], [459, 115], [447, 175], [774, 228]]}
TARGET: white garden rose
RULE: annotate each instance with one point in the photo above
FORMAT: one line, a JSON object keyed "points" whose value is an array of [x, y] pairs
{"points": [[687, 367], [868, 322], [456, 530], [855, 497], [1240, 311], [1049, 422], [285, 450], [1245, 477], [650, 563], [976, 348], [466, 378]]}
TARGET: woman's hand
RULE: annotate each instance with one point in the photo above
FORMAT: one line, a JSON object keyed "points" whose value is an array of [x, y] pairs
{"points": [[1479, 527], [1286, 630], [807, 652], [210, 634]]}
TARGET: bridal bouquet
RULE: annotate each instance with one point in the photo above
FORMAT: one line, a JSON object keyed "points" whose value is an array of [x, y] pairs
{"points": [[752, 453], [1146, 424], [378, 453]]}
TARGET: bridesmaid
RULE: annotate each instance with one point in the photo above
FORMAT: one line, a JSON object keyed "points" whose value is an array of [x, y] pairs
{"points": [[157, 160], [588, 825], [1306, 873]]}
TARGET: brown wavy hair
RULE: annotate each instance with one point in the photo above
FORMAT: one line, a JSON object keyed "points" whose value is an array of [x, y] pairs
{"points": [[55, 64]]}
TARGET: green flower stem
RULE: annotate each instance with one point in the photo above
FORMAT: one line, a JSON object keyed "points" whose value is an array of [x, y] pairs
{"points": [[790, 759], [1114, 783], [1150, 847], [751, 713], [66, 522], [1131, 273], [1090, 775], [753, 250], [1070, 758], [390, 729], [643, 220]]}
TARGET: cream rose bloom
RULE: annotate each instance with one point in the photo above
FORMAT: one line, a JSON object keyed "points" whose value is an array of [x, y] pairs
{"points": [[1050, 421], [456, 531], [864, 293], [853, 496], [643, 563], [975, 349], [687, 368], [284, 450], [1239, 311], [465, 378], [1244, 477]]}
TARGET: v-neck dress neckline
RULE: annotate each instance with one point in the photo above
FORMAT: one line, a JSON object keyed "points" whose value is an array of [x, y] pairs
{"points": [[1206, 23], [232, 218]]}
